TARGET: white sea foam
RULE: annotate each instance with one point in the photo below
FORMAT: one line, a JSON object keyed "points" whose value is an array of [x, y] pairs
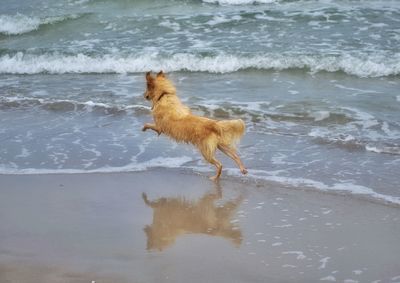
{"points": [[24, 153], [366, 119], [374, 145], [239, 2], [324, 262], [299, 254], [383, 149], [218, 19], [320, 115], [180, 162], [19, 23], [378, 136], [355, 90], [165, 162], [308, 183], [328, 278], [168, 24], [21, 63], [87, 105]]}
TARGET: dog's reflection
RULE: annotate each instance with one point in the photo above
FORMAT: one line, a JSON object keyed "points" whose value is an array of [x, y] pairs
{"points": [[173, 217]]}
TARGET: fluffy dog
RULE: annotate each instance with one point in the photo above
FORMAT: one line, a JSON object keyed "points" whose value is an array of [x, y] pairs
{"points": [[175, 120]]}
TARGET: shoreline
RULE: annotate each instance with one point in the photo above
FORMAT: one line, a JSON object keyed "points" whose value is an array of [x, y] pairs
{"points": [[171, 226], [228, 175]]}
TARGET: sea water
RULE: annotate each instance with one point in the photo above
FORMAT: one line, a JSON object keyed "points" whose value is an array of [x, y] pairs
{"points": [[316, 82]]}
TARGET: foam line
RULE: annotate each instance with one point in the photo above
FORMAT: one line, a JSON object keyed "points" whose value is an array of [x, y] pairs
{"points": [[372, 66]]}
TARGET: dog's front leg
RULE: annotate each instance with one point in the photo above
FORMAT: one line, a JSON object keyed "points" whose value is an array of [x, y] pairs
{"points": [[151, 127]]}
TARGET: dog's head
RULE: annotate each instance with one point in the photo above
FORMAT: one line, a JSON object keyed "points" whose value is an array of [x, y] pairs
{"points": [[157, 85], [150, 80]]}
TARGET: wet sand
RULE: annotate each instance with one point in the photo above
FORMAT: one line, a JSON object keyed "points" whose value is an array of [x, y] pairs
{"points": [[168, 226]]}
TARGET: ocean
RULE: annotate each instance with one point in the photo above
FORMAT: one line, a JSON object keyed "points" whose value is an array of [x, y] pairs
{"points": [[316, 82]]}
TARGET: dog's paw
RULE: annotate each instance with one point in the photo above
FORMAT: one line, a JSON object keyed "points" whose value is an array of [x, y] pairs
{"points": [[144, 128]]}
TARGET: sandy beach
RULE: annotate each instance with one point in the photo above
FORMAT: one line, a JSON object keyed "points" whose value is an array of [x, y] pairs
{"points": [[87, 197], [171, 226]]}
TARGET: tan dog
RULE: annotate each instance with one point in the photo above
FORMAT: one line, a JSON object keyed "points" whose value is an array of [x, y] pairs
{"points": [[175, 120]]}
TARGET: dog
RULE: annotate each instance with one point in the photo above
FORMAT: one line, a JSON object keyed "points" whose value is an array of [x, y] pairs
{"points": [[175, 120]]}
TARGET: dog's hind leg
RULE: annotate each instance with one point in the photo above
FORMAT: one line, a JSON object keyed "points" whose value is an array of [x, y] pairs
{"points": [[218, 165], [208, 154], [232, 154]]}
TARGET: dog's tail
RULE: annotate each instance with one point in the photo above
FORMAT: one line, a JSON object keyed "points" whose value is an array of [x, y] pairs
{"points": [[230, 131]]}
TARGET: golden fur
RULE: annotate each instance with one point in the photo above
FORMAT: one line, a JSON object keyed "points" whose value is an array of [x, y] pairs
{"points": [[175, 120]]}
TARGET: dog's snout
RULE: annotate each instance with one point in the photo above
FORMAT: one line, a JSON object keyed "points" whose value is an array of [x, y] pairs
{"points": [[146, 96]]}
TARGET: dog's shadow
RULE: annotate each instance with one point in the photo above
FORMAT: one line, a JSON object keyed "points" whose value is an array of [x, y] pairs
{"points": [[173, 217]]}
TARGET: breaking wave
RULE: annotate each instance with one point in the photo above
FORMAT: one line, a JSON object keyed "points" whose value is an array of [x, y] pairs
{"points": [[239, 2], [361, 66], [20, 24]]}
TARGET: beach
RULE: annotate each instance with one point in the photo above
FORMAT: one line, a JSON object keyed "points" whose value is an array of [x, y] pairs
{"points": [[316, 84], [170, 226], [87, 196]]}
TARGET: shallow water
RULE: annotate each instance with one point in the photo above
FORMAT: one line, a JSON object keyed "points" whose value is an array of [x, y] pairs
{"points": [[315, 81]]}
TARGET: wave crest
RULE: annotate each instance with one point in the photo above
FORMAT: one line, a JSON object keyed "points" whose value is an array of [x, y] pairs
{"points": [[239, 2], [20, 24], [362, 66]]}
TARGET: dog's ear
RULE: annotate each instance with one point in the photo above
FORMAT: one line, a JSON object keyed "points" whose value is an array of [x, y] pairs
{"points": [[149, 77], [161, 74]]}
